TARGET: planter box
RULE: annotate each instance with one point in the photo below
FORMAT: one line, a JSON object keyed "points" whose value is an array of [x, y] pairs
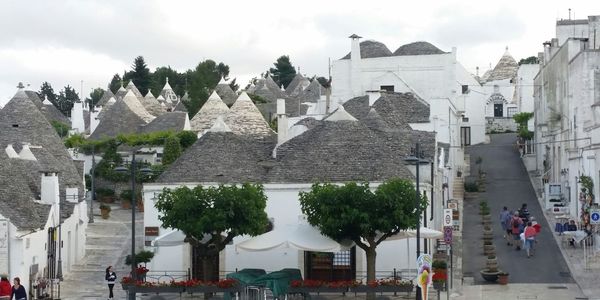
{"points": [[316, 290], [212, 289], [154, 289], [382, 289]]}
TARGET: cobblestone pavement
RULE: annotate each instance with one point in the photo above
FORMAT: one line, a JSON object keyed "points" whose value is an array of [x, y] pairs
{"points": [[108, 242]]}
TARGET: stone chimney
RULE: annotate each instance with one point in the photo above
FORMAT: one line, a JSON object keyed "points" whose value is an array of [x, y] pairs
{"points": [[373, 96], [355, 58], [50, 189], [282, 122], [77, 122]]}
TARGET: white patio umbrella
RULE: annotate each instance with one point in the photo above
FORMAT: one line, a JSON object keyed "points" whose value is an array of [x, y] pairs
{"points": [[169, 239], [424, 233], [302, 236]]}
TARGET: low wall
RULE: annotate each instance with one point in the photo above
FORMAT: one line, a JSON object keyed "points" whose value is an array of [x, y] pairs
{"points": [[500, 124]]}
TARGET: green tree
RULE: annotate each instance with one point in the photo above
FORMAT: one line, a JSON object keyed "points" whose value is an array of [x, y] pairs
{"points": [[61, 128], [234, 86], [284, 72], [95, 96], [203, 79], [354, 212], [326, 83], [522, 119], [140, 75], [115, 83], [46, 90], [172, 150], [187, 138], [529, 60], [66, 98], [211, 217]]}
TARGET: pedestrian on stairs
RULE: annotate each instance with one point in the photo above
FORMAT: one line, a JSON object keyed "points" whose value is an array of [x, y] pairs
{"points": [[110, 277]]}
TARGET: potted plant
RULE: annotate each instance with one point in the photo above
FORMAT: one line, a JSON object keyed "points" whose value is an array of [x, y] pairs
{"points": [[106, 195], [125, 199], [503, 278], [440, 274], [105, 210], [488, 247], [492, 262], [487, 233]]}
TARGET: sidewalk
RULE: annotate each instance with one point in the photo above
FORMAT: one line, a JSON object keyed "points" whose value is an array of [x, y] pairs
{"points": [[519, 291], [587, 280]]}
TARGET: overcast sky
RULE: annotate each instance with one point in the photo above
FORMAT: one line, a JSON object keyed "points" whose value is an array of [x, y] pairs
{"points": [[65, 42]]}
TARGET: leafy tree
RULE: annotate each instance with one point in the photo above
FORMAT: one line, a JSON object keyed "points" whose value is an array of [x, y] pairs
{"points": [[115, 83], [354, 212], [234, 86], [46, 90], [61, 128], [201, 80], [66, 98], [284, 72], [187, 138], [529, 60], [95, 96], [172, 150], [522, 119], [211, 217], [140, 75]]}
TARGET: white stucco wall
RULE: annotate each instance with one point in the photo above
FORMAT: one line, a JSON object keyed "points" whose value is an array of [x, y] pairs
{"points": [[284, 207]]}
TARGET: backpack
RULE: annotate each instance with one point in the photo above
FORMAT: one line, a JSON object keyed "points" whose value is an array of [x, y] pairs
{"points": [[515, 223]]}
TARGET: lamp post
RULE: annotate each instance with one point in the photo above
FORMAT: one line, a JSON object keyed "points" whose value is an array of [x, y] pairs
{"points": [[123, 169], [416, 158], [93, 187]]}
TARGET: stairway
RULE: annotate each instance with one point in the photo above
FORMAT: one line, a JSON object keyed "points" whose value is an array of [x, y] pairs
{"points": [[107, 243]]}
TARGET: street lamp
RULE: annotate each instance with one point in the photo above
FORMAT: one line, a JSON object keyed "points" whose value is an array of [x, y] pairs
{"points": [[145, 171]]}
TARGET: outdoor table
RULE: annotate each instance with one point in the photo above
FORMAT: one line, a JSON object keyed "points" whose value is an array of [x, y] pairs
{"points": [[278, 282], [245, 277]]}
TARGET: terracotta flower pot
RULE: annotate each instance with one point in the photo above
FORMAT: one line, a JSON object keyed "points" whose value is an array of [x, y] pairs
{"points": [[503, 278]]}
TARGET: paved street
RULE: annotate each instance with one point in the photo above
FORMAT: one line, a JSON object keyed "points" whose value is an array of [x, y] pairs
{"points": [[508, 185], [108, 242]]}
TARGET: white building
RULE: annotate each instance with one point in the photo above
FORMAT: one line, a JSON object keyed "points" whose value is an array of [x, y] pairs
{"points": [[338, 149], [420, 68], [38, 179], [567, 111]]}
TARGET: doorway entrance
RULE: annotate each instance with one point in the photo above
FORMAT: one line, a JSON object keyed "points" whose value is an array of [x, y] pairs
{"points": [[498, 110]]}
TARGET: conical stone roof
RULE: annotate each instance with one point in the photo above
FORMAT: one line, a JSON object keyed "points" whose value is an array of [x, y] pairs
{"points": [[152, 105], [137, 107], [506, 68], [374, 121], [208, 113], [244, 118], [371, 49], [418, 48], [226, 93], [298, 84], [105, 97], [313, 92], [117, 119], [47, 108], [22, 123], [121, 93], [131, 87]]}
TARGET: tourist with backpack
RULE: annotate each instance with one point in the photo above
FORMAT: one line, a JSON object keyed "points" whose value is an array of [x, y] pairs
{"points": [[515, 225]]}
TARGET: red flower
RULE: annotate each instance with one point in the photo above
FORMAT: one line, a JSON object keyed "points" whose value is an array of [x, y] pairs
{"points": [[441, 276]]}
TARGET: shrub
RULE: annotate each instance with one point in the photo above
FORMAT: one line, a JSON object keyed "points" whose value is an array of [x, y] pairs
{"points": [[140, 257], [105, 207], [439, 264], [105, 192], [471, 187]]}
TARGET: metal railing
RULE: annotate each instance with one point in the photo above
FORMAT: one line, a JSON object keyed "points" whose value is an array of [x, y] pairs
{"points": [[589, 250]]}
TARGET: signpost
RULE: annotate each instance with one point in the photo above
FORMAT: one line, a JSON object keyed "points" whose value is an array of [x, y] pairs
{"points": [[595, 216]]}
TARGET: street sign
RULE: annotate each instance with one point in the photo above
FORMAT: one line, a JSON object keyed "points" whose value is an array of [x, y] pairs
{"points": [[448, 234], [452, 205], [447, 221], [595, 216]]}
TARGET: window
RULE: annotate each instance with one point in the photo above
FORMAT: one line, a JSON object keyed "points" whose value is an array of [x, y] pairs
{"points": [[387, 88], [15, 125], [511, 111], [465, 136], [465, 89]]}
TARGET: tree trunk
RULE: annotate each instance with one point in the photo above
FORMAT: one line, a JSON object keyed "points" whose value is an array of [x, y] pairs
{"points": [[371, 258], [208, 270]]}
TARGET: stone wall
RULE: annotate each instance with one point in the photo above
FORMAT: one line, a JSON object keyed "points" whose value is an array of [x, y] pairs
{"points": [[500, 124]]}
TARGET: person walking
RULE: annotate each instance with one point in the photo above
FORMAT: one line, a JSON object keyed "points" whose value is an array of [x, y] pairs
{"points": [[5, 288], [529, 233], [524, 213], [110, 277], [18, 291], [505, 216], [515, 226]]}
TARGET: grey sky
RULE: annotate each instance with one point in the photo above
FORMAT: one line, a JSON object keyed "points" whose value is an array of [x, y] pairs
{"points": [[64, 42]]}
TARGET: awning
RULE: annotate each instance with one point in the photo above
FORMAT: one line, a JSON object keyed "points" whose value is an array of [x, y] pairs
{"points": [[302, 237], [424, 233]]}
